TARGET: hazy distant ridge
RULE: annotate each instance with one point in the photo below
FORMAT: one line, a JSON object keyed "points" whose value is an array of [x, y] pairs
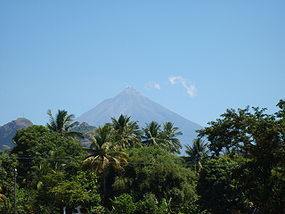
{"points": [[140, 108]]}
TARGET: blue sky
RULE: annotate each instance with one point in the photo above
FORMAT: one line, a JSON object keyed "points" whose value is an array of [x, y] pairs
{"points": [[73, 54]]}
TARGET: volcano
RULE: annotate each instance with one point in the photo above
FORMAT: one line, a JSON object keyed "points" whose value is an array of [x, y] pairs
{"points": [[140, 108]]}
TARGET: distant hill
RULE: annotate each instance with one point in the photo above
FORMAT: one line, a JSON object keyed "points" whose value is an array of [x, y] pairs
{"points": [[82, 127], [9, 130], [132, 103]]}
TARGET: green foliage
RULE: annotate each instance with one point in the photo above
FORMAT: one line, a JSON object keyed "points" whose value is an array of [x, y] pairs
{"points": [[105, 157], [264, 189], [251, 134], [104, 152], [126, 132], [217, 187], [123, 204], [260, 138], [26, 198], [150, 205], [39, 150], [241, 169], [51, 164], [154, 170], [80, 190], [169, 135], [59, 190], [7, 165], [62, 123]]}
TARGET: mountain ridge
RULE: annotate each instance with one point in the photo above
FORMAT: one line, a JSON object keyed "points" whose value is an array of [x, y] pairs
{"points": [[9, 130], [140, 108]]}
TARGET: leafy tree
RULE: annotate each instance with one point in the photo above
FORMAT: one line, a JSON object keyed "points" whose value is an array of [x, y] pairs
{"points": [[126, 132], [150, 205], [7, 165], [259, 137], [40, 150], [80, 190], [123, 204], [62, 123], [25, 201], [217, 188], [154, 170], [40, 153]]}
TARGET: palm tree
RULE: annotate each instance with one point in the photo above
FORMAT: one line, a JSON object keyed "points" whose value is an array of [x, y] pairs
{"points": [[62, 123], [126, 132], [165, 138], [197, 153], [152, 134], [169, 135], [104, 154]]}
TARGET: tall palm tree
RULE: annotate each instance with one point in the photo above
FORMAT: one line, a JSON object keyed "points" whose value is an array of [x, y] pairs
{"points": [[169, 135], [152, 134], [62, 123], [197, 153], [104, 154], [126, 131]]}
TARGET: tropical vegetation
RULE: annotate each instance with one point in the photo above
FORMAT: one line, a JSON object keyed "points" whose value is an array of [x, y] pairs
{"points": [[236, 165]]}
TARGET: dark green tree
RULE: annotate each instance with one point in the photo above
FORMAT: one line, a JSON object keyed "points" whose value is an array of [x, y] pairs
{"points": [[259, 137], [7, 165], [123, 204], [155, 170], [41, 152], [217, 187]]}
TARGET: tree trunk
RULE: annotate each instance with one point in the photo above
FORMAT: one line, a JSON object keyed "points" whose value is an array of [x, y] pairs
{"points": [[104, 185], [235, 211], [105, 190], [69, 210]]}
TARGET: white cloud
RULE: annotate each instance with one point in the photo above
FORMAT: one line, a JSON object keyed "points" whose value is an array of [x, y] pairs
{"points": [[153, 85], [191, 89]]}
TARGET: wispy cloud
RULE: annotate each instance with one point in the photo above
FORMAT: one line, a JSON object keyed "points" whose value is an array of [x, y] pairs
{"points": [[191, 89], [153, 85]]}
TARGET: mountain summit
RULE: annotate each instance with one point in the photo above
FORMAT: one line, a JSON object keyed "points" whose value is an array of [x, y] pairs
{"points": [[132, 103], [9, 130]]}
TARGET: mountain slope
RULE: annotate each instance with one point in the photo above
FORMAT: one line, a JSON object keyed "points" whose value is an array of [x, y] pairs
{"points": [[9, 130], [141, 109]]}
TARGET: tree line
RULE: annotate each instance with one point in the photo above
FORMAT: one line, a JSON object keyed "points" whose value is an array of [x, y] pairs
{"points": [[236, 165]]}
